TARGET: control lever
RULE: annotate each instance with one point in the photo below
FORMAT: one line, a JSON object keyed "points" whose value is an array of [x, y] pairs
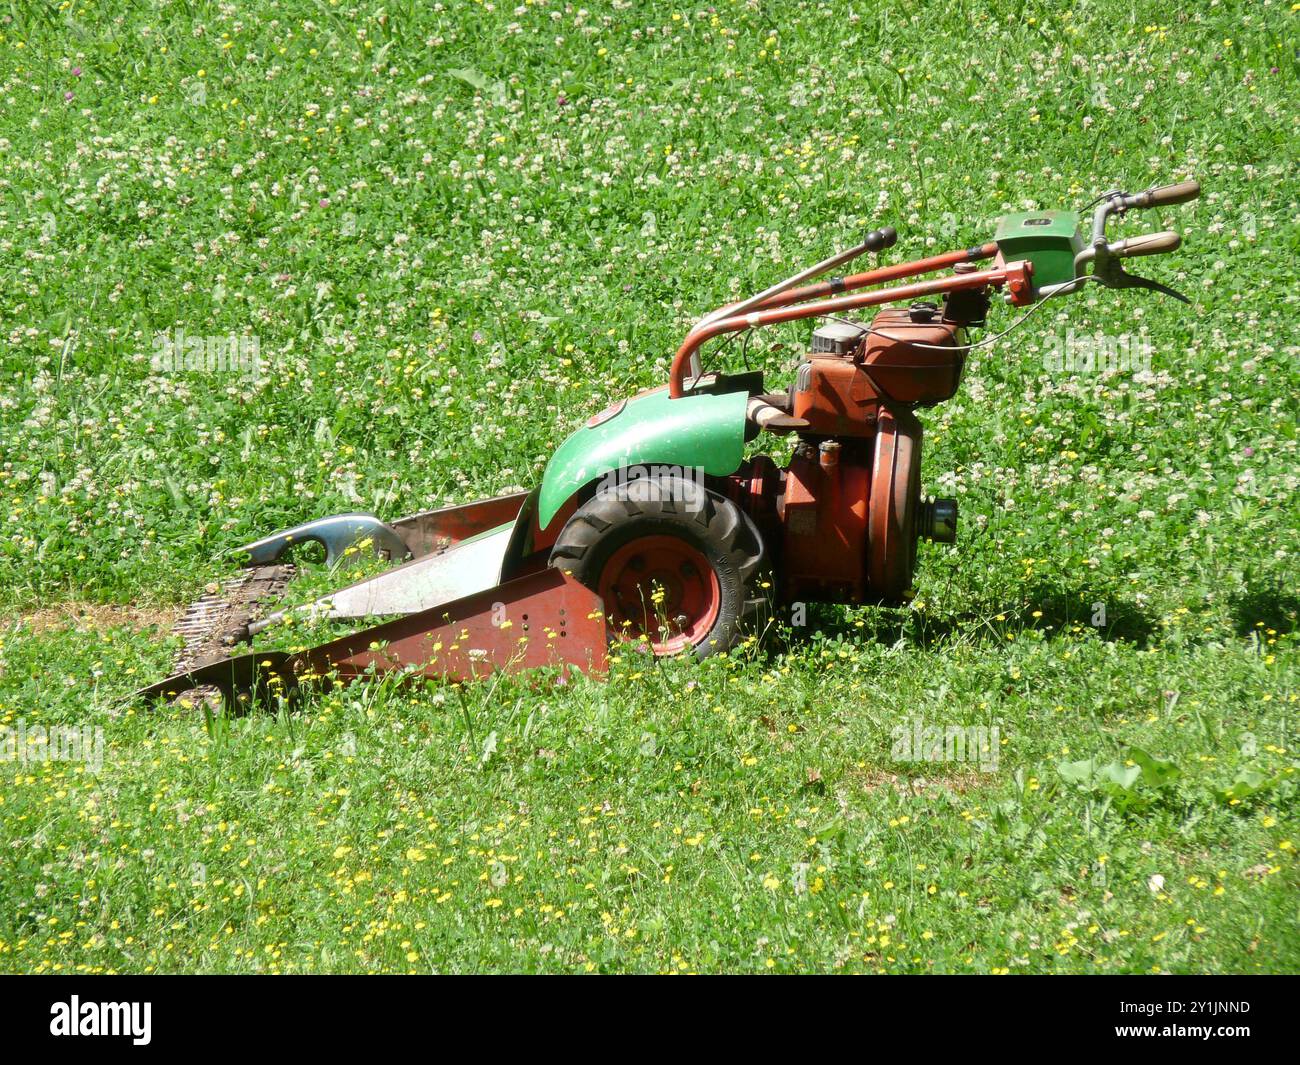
{"points": [[876, 240], [1106, 258]]}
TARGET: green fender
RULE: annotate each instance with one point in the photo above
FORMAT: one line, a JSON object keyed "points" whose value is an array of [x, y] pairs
{"points": [[706, 430]]}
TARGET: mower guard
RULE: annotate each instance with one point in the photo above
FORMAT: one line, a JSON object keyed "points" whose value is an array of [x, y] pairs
{"points": [[702, 430], [467, 593]]}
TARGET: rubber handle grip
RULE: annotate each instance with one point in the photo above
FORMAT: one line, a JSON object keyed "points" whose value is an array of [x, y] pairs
{"points": [[1146, 244], [1168, 194]]}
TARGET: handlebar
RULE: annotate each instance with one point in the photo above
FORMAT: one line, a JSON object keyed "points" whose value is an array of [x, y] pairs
{"points": [[1146, 244], [1165, 195], [792, 299], [1119, 202]]}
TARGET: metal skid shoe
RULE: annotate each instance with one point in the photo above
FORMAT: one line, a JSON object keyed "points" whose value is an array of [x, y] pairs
{"points": [[243, 681]]}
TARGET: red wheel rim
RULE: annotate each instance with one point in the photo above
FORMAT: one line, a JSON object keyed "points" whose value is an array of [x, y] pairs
{"points": [[662, 589]]}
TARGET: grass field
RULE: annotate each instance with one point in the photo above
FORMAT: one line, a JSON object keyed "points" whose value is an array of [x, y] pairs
{"points": [[454, 231]]}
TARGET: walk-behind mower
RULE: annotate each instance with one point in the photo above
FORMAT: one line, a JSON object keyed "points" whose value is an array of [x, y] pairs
{"points": [[650, 523]]}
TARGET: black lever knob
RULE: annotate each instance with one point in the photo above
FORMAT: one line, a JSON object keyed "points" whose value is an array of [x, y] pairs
{"points": [[880, 239]]}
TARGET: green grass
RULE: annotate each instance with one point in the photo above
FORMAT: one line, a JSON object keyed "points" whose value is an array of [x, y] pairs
{"points": [[455, 235]]}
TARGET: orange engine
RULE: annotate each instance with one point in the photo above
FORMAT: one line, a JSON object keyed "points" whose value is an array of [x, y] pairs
{"points": [[851, 506], [907, 355]]}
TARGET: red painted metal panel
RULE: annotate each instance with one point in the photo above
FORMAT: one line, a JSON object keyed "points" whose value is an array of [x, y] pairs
{"points": [[825, 516], [544, 618]]}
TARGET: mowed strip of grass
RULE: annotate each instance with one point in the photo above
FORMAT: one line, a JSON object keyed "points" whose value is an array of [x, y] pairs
{"points": [[442, 239]]}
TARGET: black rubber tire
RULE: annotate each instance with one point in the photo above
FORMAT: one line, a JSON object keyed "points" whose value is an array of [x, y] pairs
{"points": [[713, 525]]}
